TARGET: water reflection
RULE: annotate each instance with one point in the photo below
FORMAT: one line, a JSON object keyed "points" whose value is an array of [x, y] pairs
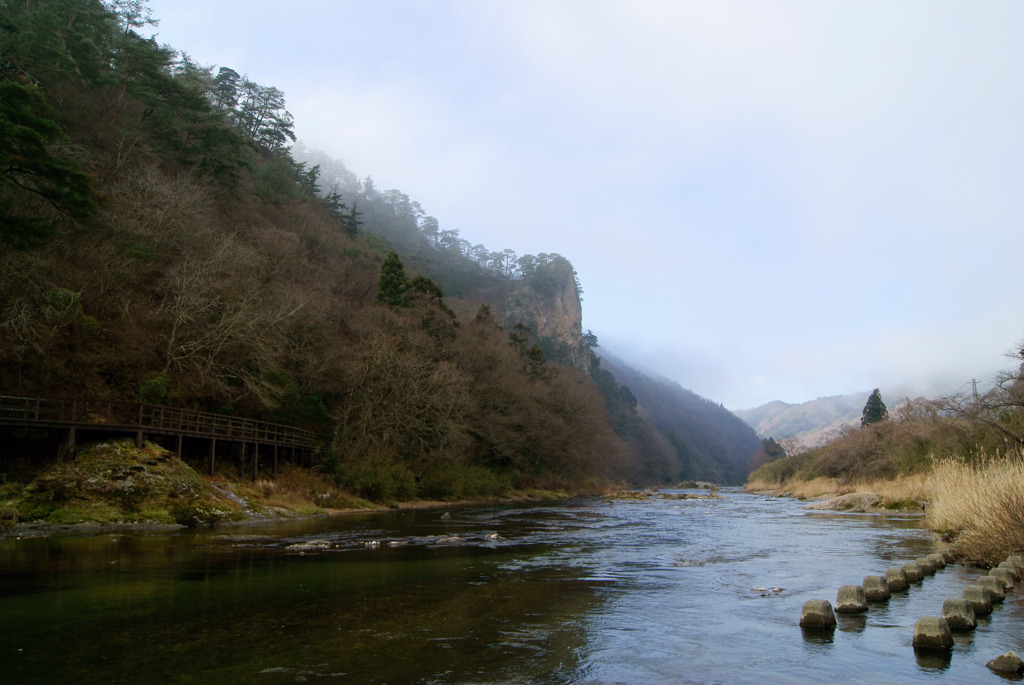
{"points": [[852, 623], [819, 636], [933, 659]]}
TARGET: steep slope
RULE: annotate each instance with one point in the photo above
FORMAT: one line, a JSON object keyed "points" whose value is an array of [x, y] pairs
{"points": [[202, 267], [711, 443]]}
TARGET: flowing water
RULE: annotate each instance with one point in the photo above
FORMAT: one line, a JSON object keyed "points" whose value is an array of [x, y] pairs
{"points": [[659, 591]]}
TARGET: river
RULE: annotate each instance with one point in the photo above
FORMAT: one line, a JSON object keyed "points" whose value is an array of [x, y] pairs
{"points": [[658, 591]]}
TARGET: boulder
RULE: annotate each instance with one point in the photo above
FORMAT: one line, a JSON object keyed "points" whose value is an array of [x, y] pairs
{"points": [[1012, 568], [932, 632], [995, 588], [940, 561], [948, 555], [851, 600], [876, 589], [980, 599], [817, 613], [896, 578], [959, 615], [1007, 663], [1005, 576], [928, 566], [913, 572]]}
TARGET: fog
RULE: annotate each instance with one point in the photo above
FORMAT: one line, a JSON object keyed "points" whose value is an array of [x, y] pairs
{"points": [[763, 200]]}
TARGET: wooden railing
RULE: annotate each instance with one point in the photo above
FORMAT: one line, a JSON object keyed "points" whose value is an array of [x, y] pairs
{"points": [[153, 419]]}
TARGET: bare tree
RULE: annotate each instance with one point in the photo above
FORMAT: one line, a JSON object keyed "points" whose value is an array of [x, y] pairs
{"points": [[1001, 407]]}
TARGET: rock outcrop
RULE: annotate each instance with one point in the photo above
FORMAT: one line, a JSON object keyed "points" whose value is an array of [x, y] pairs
{"points": [[548, 302]]}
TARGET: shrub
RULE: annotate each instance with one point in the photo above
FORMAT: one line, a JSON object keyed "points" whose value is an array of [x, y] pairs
{"points": [[455, 481], [378, 479]]}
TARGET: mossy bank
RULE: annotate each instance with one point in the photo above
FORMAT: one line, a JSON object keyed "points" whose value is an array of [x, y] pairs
{"points": [[115, 485], [114, 482]]}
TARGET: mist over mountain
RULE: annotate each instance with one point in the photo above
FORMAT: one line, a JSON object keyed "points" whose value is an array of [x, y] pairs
{"points": [[710, 442], [160, 240], [811, 422]]}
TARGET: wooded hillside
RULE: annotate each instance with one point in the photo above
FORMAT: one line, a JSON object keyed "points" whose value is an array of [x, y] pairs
{"points": [[158, 241]]}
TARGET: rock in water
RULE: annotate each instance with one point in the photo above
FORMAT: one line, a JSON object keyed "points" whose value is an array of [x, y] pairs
{"points": [[876, 589], [913, 571], [995, 588], [1012, 568], [1005, 576], [896, 578], [817, 613], [851, 600], [980, 599], [1007, 663], [959, 614], [932, 632]]}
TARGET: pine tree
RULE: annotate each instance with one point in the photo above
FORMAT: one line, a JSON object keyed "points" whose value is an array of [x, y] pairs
{"points": [[874, 410], [38, 185], [393, 287]]}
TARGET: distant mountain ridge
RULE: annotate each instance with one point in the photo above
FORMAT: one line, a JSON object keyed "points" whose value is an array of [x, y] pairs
{"points": [[809, 422]]}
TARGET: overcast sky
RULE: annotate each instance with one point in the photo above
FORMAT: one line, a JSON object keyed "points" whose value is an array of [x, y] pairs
{"points": [[764, 200]]}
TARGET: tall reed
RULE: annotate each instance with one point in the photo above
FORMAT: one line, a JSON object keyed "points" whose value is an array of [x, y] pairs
{"points": [[980, 504]]}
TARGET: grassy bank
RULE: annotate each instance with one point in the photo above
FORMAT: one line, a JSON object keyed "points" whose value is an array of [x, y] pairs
{"points": [[977, 504], [114, 483]]}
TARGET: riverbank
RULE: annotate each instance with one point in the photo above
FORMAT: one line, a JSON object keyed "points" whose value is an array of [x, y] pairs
{"points": [[905, 494], [115, 487], [976, 505], [39, 528]]}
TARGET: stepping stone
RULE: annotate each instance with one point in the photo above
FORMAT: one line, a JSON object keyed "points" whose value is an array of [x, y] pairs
{"points": [[1007, 663], [932, 632], [980, 599], [959, 615], [851, 600], [914, 572], [995, 588], [817, 613], [896, 578], [876, 589]]}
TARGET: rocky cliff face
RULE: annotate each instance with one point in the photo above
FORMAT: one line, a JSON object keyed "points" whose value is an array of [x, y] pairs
{"points": [[548, 302]]}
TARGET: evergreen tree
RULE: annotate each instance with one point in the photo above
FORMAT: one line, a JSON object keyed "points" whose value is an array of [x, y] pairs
{"points": [[393, 287], [874, 410], [38, 185], [772, 449]]}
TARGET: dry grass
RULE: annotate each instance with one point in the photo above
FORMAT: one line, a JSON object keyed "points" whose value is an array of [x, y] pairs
{"points": [[893, 493], [304, 491], [817, 487], [800, 489], [912, 487], [980, 504]]}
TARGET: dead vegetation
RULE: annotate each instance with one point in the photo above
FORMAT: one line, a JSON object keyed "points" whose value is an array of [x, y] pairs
{"points": [[980, 505]]}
